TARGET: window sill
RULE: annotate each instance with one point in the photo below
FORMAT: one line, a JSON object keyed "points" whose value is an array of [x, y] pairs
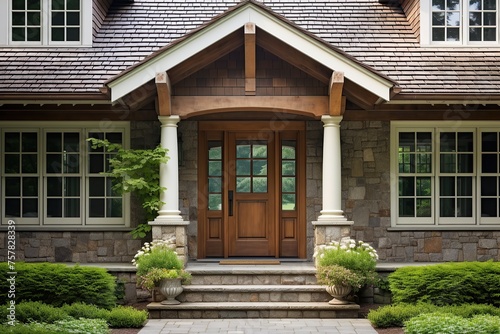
{"points": [[443, 228]]}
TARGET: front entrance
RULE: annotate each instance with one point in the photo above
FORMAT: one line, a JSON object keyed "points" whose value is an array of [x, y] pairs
{"points": [[251, 189]]}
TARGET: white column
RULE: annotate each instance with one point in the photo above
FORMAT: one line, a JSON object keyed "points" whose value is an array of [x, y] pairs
{"points": [[332, 171], [169, 173]]}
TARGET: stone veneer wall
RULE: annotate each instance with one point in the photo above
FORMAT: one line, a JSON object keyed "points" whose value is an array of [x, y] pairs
{"points": [[87, 246], [366, 194], [188, 182]]}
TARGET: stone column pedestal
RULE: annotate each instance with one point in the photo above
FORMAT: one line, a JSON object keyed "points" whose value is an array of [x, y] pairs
{"points": [[176, 232]]}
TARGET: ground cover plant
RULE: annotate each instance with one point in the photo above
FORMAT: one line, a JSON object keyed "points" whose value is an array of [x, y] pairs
{"points": [[447, 323], [396, 315]]}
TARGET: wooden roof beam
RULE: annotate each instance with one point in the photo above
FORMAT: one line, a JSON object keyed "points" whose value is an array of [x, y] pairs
{"points": [[335, 105], [164, 91], [250, 55]]}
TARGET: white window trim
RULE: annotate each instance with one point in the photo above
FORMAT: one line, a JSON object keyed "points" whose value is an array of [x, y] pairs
{"points": [[434, 222], [426, 31], [85, 222], [85, 33]]}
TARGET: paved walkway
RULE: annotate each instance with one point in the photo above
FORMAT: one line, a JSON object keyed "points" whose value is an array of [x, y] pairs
{"points": [[258, 326]]}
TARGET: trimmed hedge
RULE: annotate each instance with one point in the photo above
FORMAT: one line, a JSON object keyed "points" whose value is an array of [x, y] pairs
{"points": [[397, 315], [447, 284], [59, 284]]}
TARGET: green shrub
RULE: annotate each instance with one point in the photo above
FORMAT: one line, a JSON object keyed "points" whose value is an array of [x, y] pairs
{"points": [[81, 310], [39, 312], [396, 315], [447, 284], [70, 326], [446, 323], [59, 284], [127, 317]]}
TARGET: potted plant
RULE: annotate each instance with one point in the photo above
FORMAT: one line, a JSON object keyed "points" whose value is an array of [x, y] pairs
{"points": [[159, 266], [345, 267]]}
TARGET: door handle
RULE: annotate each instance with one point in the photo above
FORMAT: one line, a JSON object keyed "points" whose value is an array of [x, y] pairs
{"points": [[230, 197]]}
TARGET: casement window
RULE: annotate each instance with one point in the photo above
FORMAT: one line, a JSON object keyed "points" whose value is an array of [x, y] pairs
{"points": [[445, 176], [46, 22], [459, 22], [51, 175]]}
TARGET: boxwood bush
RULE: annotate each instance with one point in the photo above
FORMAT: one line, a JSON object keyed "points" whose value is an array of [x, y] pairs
{"points": [[126, 316], [447, 284], [397, 315], [59, 284]]}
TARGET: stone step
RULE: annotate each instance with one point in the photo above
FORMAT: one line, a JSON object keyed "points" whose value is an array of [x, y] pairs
{"points": [[254, 293], [283, 274], [209, 310]]}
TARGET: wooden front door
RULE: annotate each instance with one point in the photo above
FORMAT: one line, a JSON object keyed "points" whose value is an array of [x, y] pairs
{"points": [[250, 187], [251, 190]]}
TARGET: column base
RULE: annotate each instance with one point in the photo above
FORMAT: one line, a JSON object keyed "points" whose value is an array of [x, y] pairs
{"points": [[174, 230], [326, 231]]}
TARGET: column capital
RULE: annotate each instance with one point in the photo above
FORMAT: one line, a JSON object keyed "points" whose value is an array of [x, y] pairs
{"points": [[331, 120], [169, 120]]}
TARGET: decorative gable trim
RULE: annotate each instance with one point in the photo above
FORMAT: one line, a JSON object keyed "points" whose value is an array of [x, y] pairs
{"points": [[235, 19]]}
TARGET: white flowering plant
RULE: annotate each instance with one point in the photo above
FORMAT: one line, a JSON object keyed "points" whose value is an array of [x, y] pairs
{"points": [[356, 256], [156, 261]]}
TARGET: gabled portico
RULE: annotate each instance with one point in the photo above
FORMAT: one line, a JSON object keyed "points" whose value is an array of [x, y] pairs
{"points": [[248, 31]]}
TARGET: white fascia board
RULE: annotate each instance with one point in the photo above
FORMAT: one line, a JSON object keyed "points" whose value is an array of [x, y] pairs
{"points": [[175, 55], [226, 25], [322, 54]]}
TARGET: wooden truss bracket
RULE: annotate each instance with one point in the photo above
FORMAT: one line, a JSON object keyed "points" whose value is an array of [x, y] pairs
{"points": [[164, 92]]}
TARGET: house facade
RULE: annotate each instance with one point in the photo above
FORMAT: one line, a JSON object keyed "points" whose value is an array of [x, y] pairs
{"points": [[288, 124]]}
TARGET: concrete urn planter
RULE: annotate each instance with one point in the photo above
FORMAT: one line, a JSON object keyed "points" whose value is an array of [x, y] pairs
{"points": [[339, 293], [170, 288]]}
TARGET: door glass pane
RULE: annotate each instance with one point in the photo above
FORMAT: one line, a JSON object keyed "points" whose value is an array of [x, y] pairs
{"points": [[214, 185], [214, 202], [288, 175], [288, 168], [30, 186], [260, 184], [243, 167], [214, 168], [260, 167], [215, 175], [243, 184], [288, 184], [288, 202], [243, 151], [259, 151]]}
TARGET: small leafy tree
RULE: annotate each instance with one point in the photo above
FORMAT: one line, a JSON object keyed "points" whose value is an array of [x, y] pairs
{"points": [[136, 171]]}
